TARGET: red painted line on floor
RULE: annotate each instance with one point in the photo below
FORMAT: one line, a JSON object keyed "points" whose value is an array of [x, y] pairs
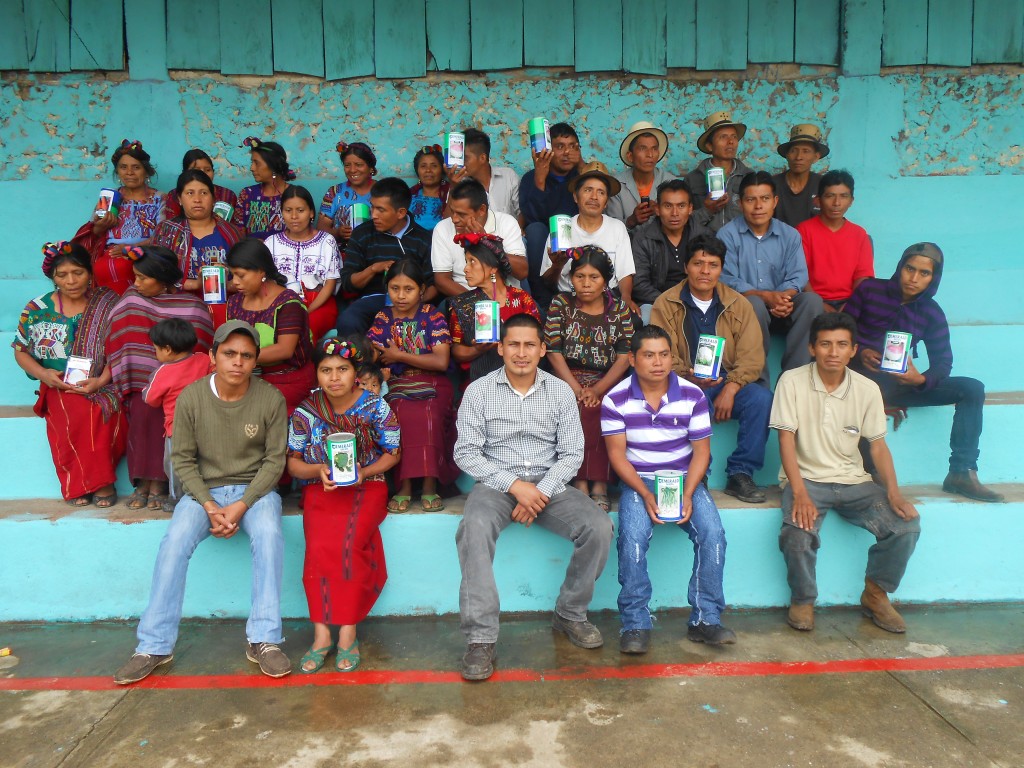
{"points": [[171, 682]]}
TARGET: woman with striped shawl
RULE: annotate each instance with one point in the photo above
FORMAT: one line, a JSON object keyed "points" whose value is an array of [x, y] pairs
{"points": [[153, 298]]}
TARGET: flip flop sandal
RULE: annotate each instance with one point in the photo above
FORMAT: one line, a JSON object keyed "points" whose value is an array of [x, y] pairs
{"points": [[316, 655], [602, 501], [157, 501], [104, 502], [399, 503], [347, 655], [81, 501], [431, 502], [137, 500]]}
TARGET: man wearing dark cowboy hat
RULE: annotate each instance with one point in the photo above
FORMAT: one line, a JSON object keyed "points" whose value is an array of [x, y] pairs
{"points": [[592, 189], [641, 151], [798, 187], [720, 139]]}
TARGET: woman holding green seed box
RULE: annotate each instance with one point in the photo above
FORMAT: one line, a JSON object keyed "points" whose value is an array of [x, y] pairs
{"points": [[360, 166]]}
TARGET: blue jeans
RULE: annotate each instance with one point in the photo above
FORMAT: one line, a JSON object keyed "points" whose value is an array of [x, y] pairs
{"points": [[706, 595], [536, 237], [751, 408], [358, 316], [158, 628]]}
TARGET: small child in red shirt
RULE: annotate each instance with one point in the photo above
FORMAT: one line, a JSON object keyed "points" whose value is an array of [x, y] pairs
{"points": [[174, 341]]}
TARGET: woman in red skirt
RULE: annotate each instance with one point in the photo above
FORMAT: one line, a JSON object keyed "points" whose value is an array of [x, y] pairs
{"points": [[344, 570]]}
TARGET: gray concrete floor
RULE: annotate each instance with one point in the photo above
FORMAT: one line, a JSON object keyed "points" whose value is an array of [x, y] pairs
{"points": [[679, 716]]}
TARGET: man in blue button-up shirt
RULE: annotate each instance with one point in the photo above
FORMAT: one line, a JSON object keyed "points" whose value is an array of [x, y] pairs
{"points": [[765, 262]]}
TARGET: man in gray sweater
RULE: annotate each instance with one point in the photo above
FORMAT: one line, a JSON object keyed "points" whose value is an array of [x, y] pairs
{"points": [[230, 436]]}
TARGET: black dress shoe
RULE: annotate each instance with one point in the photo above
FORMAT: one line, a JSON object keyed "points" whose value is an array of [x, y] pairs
{"points": [[966, 484], [743, 488], [635, 641], [478, 663], [712, 634]]}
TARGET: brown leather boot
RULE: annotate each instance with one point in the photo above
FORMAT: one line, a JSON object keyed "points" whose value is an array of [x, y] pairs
{"points": [[966, 484], [876, 606], [801, 617]]}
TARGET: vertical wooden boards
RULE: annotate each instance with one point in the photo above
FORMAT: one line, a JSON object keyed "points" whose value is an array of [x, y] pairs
{"points": [[862, 37], [598, 35], [146, 25], [496, 34], [400, 38], [643, 37], [547, 41], [97, 35], [904, 32], [770, 30], [998, 25], [348, 39], [193, 34], [13, 53], [298, 44], [448, 34], [949, 32], [817, 32], [721, 34], [247, 46], [681, 34], [48, 35]]}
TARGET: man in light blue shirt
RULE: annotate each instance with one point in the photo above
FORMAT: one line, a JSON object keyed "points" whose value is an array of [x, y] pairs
{"points": [[765, 262]]}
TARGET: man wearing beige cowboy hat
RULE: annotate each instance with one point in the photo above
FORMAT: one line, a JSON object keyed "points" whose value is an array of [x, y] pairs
{"points": [[641, 151], [592, 189], [798, 186], [720, 139]]}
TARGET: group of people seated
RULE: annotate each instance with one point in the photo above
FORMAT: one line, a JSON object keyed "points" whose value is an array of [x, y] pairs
{"points": [[548, 336]]}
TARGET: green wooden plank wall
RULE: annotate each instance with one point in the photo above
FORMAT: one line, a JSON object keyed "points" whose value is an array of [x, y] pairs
{"points": [[348, 39], [721, 34], [643, 37], [770, 27], [249, 47], [997, 31], [496, 35], [339, 39], [298, 46], [949, 32], [48, 34], [400, 41], [97, 35], [547, 41], [191, 45], [598, 35], [904, 32]]}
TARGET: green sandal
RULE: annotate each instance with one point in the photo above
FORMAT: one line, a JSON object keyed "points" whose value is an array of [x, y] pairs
{"points": [[318, 656], [431, 502], [347, 655], [399, 503]]}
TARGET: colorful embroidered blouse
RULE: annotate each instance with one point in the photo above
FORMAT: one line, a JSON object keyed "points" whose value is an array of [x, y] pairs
{"points": [[337, 201], [417, 335], [425, 210], [370, 419], [257, 214], [588, 342], [45, 333], [136, 219], [286, 315], [306, 265]]}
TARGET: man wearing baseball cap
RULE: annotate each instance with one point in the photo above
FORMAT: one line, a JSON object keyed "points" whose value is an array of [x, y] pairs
{"points": [[797, 187], [720, 139], [592, 190], [641, 151], [230, 436], [905, 302]]}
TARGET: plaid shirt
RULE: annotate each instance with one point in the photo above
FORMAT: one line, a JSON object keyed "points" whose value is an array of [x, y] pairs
{"points": [[505, 436]]}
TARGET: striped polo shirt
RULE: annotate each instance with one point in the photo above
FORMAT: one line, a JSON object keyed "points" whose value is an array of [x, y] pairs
{"points": [[657, 439]]}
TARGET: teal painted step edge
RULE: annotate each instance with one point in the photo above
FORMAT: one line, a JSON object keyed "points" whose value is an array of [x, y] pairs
{"points": [[87, 569]]}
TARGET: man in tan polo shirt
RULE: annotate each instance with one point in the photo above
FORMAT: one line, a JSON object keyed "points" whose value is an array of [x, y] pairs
{"points": [[821, 412]]}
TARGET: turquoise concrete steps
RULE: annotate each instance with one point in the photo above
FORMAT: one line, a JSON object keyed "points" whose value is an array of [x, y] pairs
{"points": [[920, 448], [58, 564]]}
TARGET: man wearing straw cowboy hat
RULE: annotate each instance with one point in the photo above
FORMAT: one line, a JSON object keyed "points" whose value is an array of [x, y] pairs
{"points": [[641, 151], [720, 139], [798, 187]]}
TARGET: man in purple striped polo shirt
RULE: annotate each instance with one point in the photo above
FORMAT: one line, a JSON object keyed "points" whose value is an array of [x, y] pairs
{"points": [[655, 420]]}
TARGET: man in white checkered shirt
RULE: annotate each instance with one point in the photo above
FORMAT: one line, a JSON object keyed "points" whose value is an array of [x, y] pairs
{"points": [[520, 438]]}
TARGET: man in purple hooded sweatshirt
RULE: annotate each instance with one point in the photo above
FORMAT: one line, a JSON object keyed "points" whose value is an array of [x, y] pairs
{"points": [[905, 302]]}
